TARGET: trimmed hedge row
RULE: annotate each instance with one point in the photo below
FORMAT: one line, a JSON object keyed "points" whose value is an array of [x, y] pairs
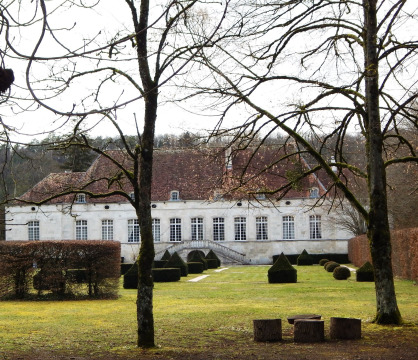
{"points": [[339, 258], [404, 252], [61, 268]]}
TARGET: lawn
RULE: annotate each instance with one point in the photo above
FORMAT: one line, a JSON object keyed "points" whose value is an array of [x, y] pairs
{"points": [[209, 319]]}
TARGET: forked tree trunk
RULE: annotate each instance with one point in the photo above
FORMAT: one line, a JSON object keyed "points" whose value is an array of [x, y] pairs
{"points": [[378, 228]]}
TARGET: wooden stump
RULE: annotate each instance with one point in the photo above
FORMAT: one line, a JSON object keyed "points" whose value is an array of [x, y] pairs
{"points": [[345, 328], [267, 330], [291, 319], [308, 330]]}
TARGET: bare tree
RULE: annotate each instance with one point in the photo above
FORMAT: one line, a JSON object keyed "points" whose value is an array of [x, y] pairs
{"points": [[318, 70], [90, 65]]}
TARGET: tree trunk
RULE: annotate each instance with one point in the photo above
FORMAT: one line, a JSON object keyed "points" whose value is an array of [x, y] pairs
{"points": [[267, 330], [378, 227], [145, 315]]}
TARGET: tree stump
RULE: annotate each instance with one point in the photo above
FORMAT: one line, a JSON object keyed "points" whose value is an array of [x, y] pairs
{"points": [[308, 330], [267, 330], [345, 328], [291, 319]]}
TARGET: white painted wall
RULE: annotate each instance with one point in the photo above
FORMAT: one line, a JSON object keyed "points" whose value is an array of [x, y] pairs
{"points": [[57, 222]]}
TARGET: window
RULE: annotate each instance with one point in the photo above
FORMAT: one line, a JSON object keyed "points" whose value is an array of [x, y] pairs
{"points": [[175, 229], [133, 230], [80, 198], [240, 227], [33, 230], [218, 229], [107, 229], [315, 227], [261, 228], [156, 230], [81, 230], [174, 195], [288, 227], [314, 193], [197, 228]]}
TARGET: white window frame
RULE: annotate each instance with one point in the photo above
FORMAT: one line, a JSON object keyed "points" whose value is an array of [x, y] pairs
{"points": [[240, 228], [81, 230], [174, 195], [107, 229], [288, 222], [156, 229], [197, 228], [80, 198], [33, 230], [261, 228], [175, 229], [133, 231], [315, 231], [218, 228]]}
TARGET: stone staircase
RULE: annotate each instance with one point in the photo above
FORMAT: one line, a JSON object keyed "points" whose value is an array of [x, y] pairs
{"points": [[215, 246]]}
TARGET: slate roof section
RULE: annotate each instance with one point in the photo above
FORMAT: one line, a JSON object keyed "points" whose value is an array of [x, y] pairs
{"points": [[195, 173]]}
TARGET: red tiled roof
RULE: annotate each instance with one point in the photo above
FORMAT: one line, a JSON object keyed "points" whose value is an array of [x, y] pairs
{"points": [[195, 173]]}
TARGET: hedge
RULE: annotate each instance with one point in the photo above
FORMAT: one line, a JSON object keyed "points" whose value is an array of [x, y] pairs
{"points": [[339, 258], [166, 274], [59, 268], [195, 267], [404, 252]]}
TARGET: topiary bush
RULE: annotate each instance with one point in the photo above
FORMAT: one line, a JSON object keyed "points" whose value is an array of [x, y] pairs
{"points": [[328, 262], [365, 272], [124, 268], [130, 279], [158, 264], [282, 271], [341, 273], [166, 255], [322, 262], [196, 256], [212, 256], [177, 262], [193, 253], [195, 267], [304, 259], [166, 274], [212, 263], [331, 266]]}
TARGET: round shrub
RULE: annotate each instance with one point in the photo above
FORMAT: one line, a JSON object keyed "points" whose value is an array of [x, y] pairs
{"points": [[195, 267], [331, 266], [304, 259], [341, 273], [365, 272], [166, 274], [323, 261], [327, 263]]}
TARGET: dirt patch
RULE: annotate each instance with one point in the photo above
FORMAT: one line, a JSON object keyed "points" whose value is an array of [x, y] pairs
{"points": [[389, 343]]}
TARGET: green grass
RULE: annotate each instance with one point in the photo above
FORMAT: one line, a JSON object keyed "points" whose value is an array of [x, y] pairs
{"points": [[215, 310]]}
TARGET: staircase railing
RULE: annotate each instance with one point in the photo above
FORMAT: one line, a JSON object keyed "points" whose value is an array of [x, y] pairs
{"points": [[207, 244]]}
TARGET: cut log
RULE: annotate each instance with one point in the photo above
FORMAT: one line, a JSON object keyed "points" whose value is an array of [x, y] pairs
{"points": [[345, 328], [308, 330], [267, 330], [291, 319]]}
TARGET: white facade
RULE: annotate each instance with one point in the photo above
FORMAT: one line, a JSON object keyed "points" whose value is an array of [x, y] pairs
{"points": [[257, 229]]}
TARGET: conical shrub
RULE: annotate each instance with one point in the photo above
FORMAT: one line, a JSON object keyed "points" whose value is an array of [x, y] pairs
{"points": [[166, 256], [212, 256], [197, 257], [282, 271], [365, 272], [176, 261], [304, 259]]}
